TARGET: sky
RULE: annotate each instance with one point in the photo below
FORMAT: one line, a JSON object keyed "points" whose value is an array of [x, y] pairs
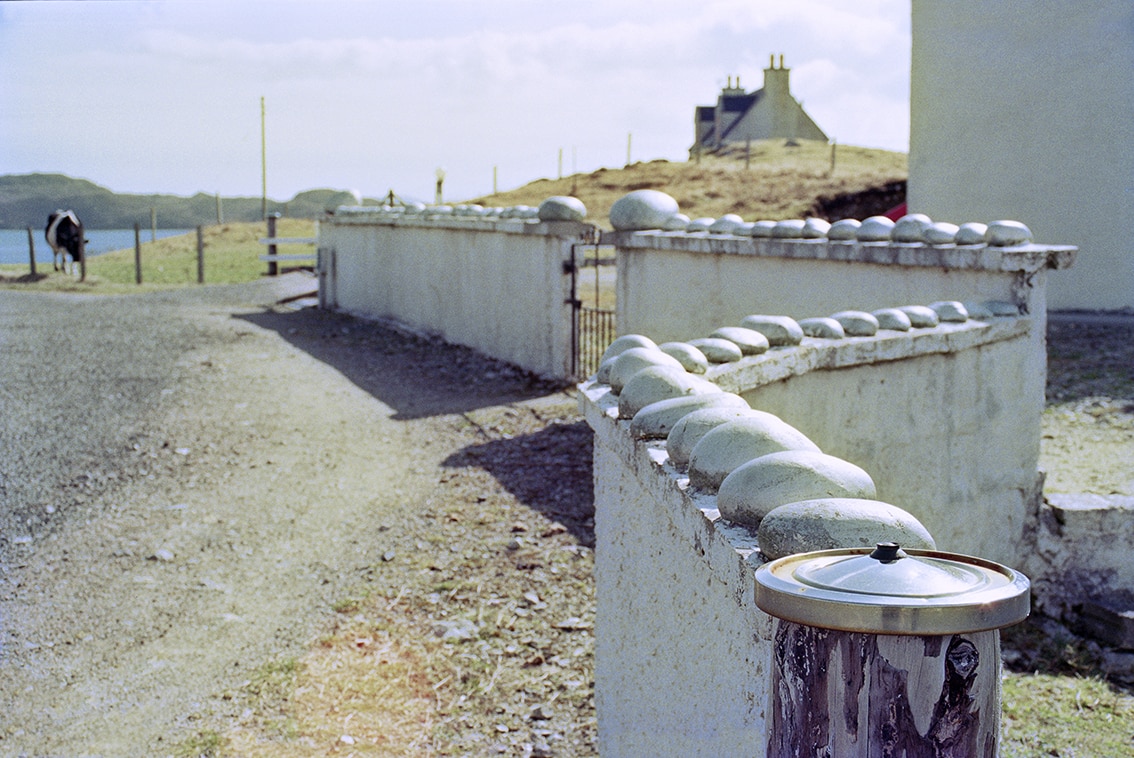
{"points": [[378, 95]]}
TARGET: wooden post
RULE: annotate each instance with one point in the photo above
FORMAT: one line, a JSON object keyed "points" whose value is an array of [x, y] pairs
{"points": [[494, 180], [153, 224], [560, 163], [220, 213], [747, 152], [200, 255], [82, 254], [629, 140], [31, 250], [137, 253], [273, 268], [858, 695], [263, 163], [834, 146]]}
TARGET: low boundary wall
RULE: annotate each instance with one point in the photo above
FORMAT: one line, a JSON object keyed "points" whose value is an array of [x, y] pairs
{"points": [[683, 656], [495, 285], [952, 437]]}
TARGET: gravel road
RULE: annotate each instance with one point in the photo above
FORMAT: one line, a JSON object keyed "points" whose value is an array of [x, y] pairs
{"points": [[192, 487]]}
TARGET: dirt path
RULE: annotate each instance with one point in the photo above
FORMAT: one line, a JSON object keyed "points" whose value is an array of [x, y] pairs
{"points": [[281, 456]]}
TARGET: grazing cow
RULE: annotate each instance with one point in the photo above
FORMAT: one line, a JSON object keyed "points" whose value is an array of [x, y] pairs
{"points": [[64, 233]]}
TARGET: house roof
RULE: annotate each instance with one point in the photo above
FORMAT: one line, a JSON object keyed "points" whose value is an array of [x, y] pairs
{"points": [[750, 101]]}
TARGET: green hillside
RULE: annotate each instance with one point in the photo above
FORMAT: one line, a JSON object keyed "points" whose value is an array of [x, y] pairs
{"points": [[27, 199]]}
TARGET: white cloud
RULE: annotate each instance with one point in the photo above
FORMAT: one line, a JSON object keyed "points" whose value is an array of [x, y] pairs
{"points": [[377, 95]]}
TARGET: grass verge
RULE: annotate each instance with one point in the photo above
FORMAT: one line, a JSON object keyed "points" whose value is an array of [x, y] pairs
{"points": [[231, 256]]}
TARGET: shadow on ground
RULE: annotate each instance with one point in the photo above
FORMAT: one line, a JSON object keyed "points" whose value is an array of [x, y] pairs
{"points": [[549, 471], [417, 376]]}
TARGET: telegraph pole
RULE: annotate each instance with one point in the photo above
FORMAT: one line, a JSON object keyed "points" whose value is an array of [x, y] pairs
{"points": [[263, 164]]}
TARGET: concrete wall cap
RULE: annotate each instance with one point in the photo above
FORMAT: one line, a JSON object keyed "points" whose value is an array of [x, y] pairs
{"points": [[755, 488], [971, 233], [562, 208], [814, 228], [875, 229], [910, 228], [857, 323], [892, 319], [718, 350], [690, 357], [780, 330], [732, 444], [822, 327], [830, 523], [950, 311], [921, 316], [634, 360], [941, 233], [687, 432], [763, 229], [791, 228], [625, 342], [726, 224], [702, 224], [844, 230], [656, 420], [655, 383], [1008, 233], [750, 341], [642, 209]]}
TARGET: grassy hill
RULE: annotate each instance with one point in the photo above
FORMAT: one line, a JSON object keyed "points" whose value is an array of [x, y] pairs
{"points": [[780, 181], [26, 199]]}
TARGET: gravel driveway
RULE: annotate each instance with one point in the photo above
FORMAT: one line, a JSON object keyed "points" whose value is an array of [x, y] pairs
{"points": [[192, 487]]}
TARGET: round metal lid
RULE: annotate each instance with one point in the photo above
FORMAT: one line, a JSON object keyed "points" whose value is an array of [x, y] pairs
{"points": [[887, 590]]}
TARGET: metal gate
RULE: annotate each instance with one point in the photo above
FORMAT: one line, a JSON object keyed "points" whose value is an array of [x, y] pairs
{"points": [[592, 305]]}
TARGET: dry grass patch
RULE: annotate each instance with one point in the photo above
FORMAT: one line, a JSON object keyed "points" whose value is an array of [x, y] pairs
{"points": [[359, 691], [780, 181]]}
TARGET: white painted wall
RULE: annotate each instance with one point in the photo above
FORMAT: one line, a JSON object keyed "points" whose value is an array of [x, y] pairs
{"points": [[682, 654], [496, 286], [1025, 110], [949, 434]]}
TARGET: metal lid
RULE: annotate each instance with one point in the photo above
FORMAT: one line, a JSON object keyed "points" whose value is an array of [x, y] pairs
{"points": [[887, 590]]}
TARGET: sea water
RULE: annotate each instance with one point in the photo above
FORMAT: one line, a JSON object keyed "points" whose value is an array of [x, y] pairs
{"points": [[14, 242]]}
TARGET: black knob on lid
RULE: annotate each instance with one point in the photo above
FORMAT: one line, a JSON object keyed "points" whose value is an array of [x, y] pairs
{"points": [[887, 552]]}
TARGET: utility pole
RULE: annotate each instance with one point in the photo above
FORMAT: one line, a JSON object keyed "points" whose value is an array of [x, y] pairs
{"points": [[263, 164]]}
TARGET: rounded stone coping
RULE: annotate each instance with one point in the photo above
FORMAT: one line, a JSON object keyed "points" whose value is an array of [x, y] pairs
{"points": [[763, 484], [975, 257]]}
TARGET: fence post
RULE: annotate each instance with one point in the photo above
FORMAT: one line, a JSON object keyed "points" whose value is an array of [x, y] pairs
{"points": [[31, 250], [137, 253], [82, 253], [153, 224], [273, 268], [200, 255]]}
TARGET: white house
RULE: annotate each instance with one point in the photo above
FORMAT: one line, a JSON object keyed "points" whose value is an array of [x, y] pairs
{"points": [[767, 113]]}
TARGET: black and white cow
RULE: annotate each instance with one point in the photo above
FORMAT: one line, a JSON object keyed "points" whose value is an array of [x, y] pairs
{"points": [[64, 233]]}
